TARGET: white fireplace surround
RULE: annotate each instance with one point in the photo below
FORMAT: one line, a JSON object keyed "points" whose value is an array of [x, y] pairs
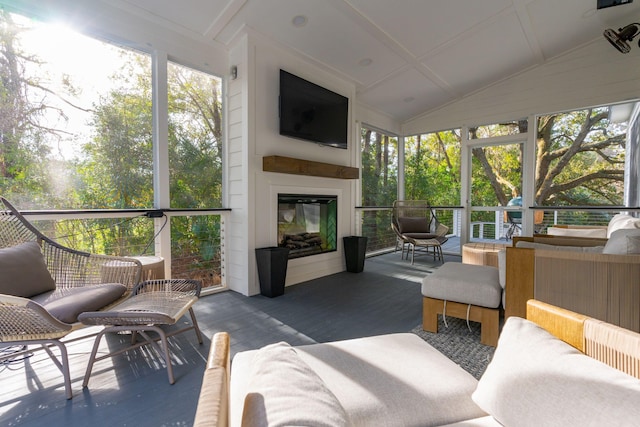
{"points": [[309, 267], [275, 190]]}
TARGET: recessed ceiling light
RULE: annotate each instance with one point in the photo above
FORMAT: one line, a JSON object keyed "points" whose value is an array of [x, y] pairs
{"points": [[409, 99], [299, 21], [365, 62]]}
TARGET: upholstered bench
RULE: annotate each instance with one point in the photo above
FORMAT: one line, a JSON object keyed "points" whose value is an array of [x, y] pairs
{"points": [[464, 291]]}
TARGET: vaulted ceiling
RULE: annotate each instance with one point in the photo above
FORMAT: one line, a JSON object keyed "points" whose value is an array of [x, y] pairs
{"points": [[406, 57]]}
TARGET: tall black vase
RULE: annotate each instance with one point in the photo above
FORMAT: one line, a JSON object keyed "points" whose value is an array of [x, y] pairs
{"points": [[272, 270], [355, 249]]}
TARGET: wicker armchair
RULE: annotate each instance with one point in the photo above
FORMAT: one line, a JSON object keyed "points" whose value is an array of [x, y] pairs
{"points": [[23, 320], [416, 225]]}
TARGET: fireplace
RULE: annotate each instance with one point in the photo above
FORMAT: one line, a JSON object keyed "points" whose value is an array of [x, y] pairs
{"points": [[307, 224]]}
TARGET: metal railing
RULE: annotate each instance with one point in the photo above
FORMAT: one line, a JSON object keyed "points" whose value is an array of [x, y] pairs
{"points": [[487, 223], [196, 238]]}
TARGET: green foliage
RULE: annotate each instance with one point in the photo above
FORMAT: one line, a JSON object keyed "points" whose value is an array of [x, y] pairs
{"points": [[195, 139], [580, 159], [379, 178], [432, 168], [23, 170], [113, 168]]}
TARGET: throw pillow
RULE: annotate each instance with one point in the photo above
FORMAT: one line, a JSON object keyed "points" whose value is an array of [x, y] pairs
{"points": [[633, 244], [284, 391], [413, 225], [600, 233], [535, 379], [618, 244], [622, 221], [23, 271]]}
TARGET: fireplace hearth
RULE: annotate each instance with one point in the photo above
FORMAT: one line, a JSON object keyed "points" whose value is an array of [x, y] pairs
{"points": [[307, 224]]}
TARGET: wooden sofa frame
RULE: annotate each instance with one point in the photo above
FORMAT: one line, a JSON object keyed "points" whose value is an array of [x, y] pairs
{"points": [[603, 286]]}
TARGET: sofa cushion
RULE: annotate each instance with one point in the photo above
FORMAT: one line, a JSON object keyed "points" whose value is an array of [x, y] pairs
{"points": [[385, 380], [619, 244], [622, 221], [535, 379], [23, 271], [285, 391], [65, 304], [413, 225]]}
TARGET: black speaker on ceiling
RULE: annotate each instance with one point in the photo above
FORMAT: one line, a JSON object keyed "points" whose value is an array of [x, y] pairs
{"points": [[609, 3]]}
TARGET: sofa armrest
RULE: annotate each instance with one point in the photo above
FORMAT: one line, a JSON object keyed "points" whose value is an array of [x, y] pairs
{"points": [[519, 285], [562, 240], [603, 286], [562, 323], [213, 403]]}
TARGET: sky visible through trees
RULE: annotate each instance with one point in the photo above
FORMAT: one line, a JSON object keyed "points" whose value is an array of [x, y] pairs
{"points": [[76, 133]]}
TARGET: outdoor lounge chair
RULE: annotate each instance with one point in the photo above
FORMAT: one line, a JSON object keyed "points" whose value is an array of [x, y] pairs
{"points": [[416, 226], [44, 286]]}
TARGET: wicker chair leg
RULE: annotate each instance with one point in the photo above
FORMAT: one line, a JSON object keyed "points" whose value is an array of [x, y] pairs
{"points": [[92, 358], [164, 349], [62, 364], [194, 322]]}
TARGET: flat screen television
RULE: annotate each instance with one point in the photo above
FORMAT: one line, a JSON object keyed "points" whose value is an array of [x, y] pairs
{"points": [[312, 113]]}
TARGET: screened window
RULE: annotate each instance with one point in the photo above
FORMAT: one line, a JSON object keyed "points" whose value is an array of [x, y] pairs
{"points": [[195, 138], [581, 156], [379, 186], [76, 119], [496, 174], [76, 123], [432, 167], [379, 168]]}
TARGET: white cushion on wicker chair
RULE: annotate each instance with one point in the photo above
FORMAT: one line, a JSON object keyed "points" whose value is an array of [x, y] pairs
{"points": [[23, 271]]}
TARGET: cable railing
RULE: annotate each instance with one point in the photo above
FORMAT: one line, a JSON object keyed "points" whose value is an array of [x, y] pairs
{"points": [[491, 224], [196, 237]]}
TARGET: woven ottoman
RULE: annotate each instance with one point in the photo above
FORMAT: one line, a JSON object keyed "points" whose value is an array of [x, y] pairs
{"points": [[464, 291]]}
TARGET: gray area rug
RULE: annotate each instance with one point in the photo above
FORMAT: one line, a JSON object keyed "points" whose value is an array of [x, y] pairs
{"points": [[459, 344]]}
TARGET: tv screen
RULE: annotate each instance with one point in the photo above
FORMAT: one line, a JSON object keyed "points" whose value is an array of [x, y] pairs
{"points": [[311, 112]]}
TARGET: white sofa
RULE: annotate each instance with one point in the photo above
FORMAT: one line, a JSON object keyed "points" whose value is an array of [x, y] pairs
{"points": [[534, 379]]}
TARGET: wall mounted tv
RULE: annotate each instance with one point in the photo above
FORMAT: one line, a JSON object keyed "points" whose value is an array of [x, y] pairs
{"points": [[312, 113]]}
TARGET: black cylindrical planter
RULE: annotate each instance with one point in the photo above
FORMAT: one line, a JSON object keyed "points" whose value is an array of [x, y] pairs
{"points": [[355, 248], [272, 270]]}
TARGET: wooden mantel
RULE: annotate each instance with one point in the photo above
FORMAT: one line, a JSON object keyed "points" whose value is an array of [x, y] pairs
{"points": [[306, 167]]}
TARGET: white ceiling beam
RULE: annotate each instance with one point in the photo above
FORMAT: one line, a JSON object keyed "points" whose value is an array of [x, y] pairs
{"points": [[224, 18]]}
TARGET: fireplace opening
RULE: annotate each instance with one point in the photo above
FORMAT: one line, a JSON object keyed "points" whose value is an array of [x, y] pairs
{"points": [[307, 224]]}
